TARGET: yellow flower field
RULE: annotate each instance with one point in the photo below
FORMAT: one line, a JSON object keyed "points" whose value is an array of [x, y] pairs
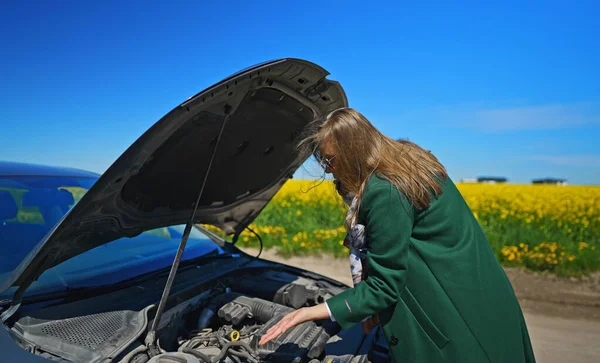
{"points": [[541, 227]]}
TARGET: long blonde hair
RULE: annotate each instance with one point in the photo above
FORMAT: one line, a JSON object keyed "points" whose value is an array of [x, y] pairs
{"points": [[362, 150]]}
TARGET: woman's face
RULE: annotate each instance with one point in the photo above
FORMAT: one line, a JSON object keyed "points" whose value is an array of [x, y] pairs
{"points": [[327, 156]]}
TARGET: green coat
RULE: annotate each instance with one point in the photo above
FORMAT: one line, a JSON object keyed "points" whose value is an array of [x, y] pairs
{"points": [[432, 276]]}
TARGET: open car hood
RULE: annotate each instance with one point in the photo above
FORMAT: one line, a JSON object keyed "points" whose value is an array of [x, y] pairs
{"points": [[156, 181]]}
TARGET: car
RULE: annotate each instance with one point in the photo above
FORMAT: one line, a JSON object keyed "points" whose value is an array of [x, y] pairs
{"points": [[118, 267]]}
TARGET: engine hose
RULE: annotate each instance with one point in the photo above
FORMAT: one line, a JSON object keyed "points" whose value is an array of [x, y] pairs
{"points": [[197, 354], [223, 352], [228, 345], [243, 355], [237, 359], [197, 341]]}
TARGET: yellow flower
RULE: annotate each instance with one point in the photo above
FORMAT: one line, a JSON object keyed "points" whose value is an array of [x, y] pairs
{"points": [[532, 212]]}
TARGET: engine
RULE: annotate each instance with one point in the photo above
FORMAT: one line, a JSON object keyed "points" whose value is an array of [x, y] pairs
{"points": [[227, 326], [230, 328], [220, 322]]}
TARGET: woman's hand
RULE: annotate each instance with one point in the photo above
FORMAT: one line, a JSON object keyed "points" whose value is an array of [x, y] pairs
{"points": [[294, 318]]}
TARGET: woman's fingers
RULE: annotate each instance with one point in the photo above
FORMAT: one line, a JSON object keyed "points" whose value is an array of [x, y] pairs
{"points": [[280, 327], [272, 333], [287, 322]]}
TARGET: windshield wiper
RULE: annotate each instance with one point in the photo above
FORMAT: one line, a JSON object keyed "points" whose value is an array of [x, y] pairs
{"points": [[88, 291], [183, 265]]}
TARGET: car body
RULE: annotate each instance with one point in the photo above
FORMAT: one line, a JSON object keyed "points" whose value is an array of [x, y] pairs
{"points": [[88, 270]]}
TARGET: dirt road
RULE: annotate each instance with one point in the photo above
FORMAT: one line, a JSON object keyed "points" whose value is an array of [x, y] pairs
{"points": [[562, 314]]}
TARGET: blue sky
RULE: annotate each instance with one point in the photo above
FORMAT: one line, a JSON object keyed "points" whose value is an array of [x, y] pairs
{"points": [[508, 89]]}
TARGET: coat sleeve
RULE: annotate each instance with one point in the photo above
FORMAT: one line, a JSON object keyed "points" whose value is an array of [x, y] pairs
{"points": [[388, 219]]}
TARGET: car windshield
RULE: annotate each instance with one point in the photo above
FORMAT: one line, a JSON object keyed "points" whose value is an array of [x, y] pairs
{"points": [[30, 206]]}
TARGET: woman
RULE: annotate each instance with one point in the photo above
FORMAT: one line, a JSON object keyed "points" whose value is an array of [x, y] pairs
{"points": [[432, 280]]}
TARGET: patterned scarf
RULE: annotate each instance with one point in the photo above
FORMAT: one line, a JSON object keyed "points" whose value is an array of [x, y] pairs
{"points": [[356, 241], [355, 238]]}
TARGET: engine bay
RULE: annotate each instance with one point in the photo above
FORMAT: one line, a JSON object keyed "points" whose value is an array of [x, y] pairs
{"points": [[237, 327], [224, 323]]}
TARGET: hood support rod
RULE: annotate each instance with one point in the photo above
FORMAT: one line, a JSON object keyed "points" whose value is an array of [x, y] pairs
{"points": [[150, 340]]}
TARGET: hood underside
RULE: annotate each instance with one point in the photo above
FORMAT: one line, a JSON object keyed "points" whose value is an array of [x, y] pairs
{"points": [[155, 183]]}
